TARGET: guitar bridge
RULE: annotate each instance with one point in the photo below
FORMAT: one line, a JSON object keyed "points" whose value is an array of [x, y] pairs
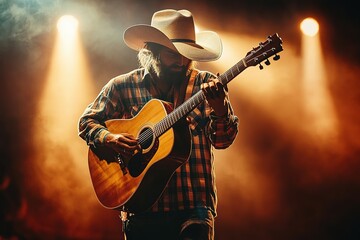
{"points": [[121, 163]]}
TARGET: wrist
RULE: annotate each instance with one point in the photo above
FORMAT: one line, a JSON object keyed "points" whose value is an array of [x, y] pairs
{"points": [[215, 116], [105, 137], [222, 112]]}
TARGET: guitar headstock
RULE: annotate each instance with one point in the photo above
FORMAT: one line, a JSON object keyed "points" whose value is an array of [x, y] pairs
{"points": [[270, 47]]}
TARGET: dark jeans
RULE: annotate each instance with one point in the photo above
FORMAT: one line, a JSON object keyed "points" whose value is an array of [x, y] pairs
{"points": [[182, 225]]}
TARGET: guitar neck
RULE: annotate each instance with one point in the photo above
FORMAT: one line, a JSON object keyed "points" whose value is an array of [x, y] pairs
{"points": [[190, 104], [232, 72], [266, 49]]}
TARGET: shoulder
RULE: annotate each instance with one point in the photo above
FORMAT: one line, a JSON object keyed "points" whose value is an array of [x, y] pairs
{"points": [[124, 81], [204, 76], [134, 76]]}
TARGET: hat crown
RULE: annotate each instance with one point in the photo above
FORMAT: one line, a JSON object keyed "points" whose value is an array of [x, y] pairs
{"points": [[176, 30], [176, 25]]}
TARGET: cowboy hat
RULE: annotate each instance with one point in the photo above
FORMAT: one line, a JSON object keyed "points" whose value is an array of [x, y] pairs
{"points": [[175, 30]]}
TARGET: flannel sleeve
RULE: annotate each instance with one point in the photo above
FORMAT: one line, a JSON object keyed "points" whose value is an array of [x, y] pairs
{"points": [[92, 122], [223, 130]]}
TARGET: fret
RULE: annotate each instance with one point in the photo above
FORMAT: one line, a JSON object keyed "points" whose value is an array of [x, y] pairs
{"points": [[266, 49]]}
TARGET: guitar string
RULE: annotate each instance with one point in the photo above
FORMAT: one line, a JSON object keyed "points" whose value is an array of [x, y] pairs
{"points": [[165, 124]]}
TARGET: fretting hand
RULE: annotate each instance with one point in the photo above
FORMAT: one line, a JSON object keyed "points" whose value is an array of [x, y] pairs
{"points": [[215, 95]]}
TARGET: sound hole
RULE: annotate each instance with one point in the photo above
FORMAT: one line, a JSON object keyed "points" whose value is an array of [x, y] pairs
{"points": [[146, 138], [139, 161]]}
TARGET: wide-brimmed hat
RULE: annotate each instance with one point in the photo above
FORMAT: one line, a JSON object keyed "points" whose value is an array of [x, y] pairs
{"points": [[175, 30]]}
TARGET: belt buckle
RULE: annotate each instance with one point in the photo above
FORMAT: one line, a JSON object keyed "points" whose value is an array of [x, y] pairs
{"points": [[125, 215]]}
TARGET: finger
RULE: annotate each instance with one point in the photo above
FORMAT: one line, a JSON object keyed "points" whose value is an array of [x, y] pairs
{"points": [[126, 152], [216, 89], [207, 90], [204, 86], [220, 89], [128, 139], [212, 85], [124, 148], [129, 136], [213, 88], [218, 83], [125, 142]]}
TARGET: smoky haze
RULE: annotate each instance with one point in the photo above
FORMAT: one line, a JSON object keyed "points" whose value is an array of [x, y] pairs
{"points": [[283, 178]]}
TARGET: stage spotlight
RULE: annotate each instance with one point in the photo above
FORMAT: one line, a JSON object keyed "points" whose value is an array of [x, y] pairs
{"points": [[309, 26], [59, 158], [67, 25], [318, 103]]}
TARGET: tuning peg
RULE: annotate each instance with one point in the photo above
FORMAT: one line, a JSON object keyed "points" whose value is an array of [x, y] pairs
{"points": [[261, 66], [276, 57], [267, 62]]}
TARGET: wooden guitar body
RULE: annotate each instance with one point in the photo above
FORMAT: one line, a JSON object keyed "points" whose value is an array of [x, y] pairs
{"points": [[137, 184]]}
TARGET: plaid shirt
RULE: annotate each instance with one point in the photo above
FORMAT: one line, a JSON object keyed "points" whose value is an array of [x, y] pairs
{"points": [[193, 184]]}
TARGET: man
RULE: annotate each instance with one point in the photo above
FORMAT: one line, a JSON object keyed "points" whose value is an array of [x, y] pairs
{"points": [[167, 49]]}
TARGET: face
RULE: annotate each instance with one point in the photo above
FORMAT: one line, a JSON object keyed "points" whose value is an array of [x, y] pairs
{"points": [[172, 65], [173, 60]]}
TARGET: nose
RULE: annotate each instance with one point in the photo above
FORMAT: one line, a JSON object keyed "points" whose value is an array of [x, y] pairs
{"points": [[183, 61]]}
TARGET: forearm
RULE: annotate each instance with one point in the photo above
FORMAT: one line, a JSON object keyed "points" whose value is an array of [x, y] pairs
{"points": [[92, 131], [92, 122], [223, 129]]}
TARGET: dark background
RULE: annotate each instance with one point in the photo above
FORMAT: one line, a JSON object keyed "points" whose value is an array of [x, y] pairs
{"points": [[277, 181]]}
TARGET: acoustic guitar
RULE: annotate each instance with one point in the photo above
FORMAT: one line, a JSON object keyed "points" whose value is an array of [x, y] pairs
{"points": [[165, 140]]}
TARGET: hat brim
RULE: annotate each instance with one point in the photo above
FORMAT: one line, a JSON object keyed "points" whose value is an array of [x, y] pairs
{"points": [[208, 46]]}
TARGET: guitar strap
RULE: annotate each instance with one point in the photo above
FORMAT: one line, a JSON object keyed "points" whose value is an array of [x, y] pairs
{"points": [[186, 89]]}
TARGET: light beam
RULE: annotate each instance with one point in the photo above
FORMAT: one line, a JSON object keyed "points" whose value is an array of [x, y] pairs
{"points": [[320, 117], [60, 161]]}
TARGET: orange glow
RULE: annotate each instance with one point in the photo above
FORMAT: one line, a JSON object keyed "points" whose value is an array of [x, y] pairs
{"points": [[277, 112], [240, 177], [266, 88]]}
